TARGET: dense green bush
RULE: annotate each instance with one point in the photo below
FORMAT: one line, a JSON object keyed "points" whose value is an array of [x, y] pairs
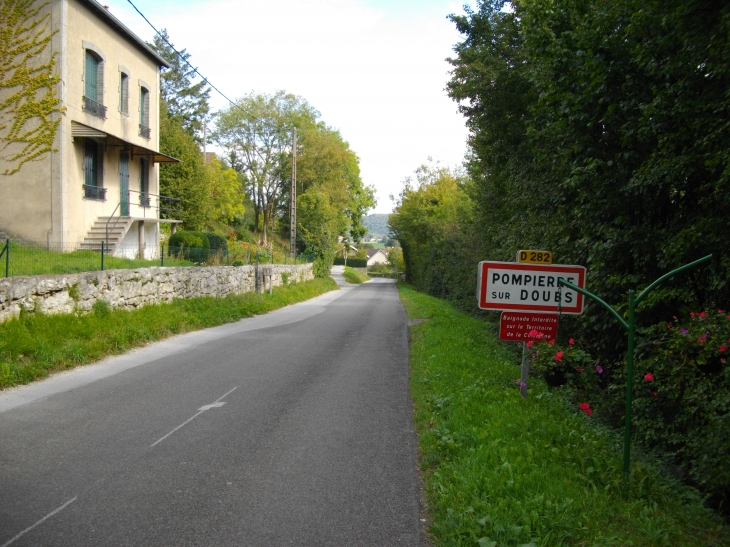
{"points": [[218, 243], [352, 262], [189, 245], [681, 403]]}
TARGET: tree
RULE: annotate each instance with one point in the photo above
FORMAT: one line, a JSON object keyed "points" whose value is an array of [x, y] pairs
{"points": [[189, 180], [318, 224], [186, 100], [395, 259], [30, 109], [226, 192], [326, 162], [430, 213], [256, 134]]}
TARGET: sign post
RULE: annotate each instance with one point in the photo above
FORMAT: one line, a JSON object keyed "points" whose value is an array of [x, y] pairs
{"points": [[517, 326], [530, 296]]}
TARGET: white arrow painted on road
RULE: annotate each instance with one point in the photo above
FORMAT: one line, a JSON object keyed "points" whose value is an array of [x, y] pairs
{"points": [[212, 405], [216, 404]]}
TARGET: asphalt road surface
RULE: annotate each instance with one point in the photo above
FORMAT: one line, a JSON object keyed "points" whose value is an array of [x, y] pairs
{"points": [[292, 428]]}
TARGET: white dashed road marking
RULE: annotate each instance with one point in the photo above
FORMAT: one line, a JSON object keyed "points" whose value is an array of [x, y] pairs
{"points": [[49, 515]]}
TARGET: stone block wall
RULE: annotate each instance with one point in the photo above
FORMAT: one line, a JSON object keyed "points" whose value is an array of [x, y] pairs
{"points": [[129, 289]]}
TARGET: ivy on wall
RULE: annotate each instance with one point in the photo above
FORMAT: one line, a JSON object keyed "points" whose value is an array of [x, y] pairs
{"points": [[28, 99]]}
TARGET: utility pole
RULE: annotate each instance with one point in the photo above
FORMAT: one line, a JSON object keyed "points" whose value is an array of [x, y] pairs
{"points": [[293, 199]]}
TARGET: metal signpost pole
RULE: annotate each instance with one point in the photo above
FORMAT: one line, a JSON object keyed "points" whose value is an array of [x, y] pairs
{"points": [[630, 330], [525, 371]]}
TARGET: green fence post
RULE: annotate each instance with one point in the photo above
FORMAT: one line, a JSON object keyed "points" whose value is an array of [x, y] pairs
{"points": [[7, 258], [102, 256], [162, 255], [199, 255]]}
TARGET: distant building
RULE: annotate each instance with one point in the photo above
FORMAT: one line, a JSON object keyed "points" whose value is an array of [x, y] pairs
{"points": [[105, 163], [377, 256]]}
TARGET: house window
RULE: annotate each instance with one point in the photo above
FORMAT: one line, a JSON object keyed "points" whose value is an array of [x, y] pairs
{"points": [[94, 170], [124, 93], [144, 182], [93, 100], [144, 113]]}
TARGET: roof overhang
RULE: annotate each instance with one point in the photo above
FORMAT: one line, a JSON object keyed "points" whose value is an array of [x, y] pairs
{"points": [[115, 23], [81, 130]]}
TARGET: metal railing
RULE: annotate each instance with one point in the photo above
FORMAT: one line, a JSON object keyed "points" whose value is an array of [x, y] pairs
{"points": [[94, 108], [144, 131], [94, 192], [37, 258], [165, 205]]}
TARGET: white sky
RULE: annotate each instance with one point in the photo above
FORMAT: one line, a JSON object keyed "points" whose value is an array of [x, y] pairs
{"points": [[375, 69]]}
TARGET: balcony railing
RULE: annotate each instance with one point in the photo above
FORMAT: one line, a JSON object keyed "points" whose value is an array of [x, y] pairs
{"points": [[94, 108], [95, 192], [144, 131]]}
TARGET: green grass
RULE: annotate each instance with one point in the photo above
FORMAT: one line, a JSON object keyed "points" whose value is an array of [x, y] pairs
{"points": [[503, 471], [34, 345], [31, 260], [354, 277]]}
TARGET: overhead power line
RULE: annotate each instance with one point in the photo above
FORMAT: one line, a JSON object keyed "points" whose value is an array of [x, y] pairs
{"points": [[162, 36]]}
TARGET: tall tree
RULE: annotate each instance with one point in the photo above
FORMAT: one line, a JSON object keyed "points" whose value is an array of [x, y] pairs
{"points": [[226, 192], [186, 99], [256, 134], [189, 180], [327, 164]]}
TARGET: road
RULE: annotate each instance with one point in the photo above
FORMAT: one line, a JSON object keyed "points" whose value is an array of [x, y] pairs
{"points": [[292, 428]]}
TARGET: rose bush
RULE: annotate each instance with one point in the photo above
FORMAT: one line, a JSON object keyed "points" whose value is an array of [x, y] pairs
{"points": [[682, 397], [681, 400]]}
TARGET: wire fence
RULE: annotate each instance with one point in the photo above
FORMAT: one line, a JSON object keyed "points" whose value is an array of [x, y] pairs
{"points": [[21, 257]]}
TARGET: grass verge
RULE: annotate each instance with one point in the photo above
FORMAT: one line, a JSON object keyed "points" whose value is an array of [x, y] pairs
{"points": [[503, 471], [354, 277], [35, 345]]}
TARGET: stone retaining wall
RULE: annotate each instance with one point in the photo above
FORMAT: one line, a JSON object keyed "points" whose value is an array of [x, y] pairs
{"points": [[129, 289]]}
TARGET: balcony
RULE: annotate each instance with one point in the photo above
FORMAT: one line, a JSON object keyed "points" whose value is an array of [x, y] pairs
{"points": [[94, 108], [95, 192], [145, 132]]}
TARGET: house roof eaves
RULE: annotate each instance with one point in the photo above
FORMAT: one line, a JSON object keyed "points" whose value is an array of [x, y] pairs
{"points": [[119, 26], [81, 130]]}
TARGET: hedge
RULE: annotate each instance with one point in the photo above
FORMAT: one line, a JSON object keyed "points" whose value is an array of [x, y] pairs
{"points": [[352, 262]]}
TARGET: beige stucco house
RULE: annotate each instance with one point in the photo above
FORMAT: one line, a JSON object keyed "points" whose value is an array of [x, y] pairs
{"points": [[377, 256], [106, 159]]}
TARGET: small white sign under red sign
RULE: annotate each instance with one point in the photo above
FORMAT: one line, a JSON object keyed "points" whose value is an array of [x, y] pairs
{"points": [[511, 286], [517, 326]]}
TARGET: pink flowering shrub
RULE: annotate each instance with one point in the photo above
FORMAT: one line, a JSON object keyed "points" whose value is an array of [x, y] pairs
{"points": [[681, 402], [682, 396], [557, 363]]}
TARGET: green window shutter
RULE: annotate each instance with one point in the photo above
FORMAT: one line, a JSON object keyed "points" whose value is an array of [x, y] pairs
{"points": [[91, 73], [123, 93], [147, 108], [90, 159], [144, 182], [144, 107]]}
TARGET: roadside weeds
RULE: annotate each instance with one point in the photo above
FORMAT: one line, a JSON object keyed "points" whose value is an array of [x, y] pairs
{"points": [[502, 471], [36, 345]]}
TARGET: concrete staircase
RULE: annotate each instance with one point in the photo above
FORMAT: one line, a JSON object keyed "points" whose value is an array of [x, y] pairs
{"points": [[118, 228]]}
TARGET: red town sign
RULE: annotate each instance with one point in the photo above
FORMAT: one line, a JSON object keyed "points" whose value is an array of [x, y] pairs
{"points": [[516, 326], [511, 286]]}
